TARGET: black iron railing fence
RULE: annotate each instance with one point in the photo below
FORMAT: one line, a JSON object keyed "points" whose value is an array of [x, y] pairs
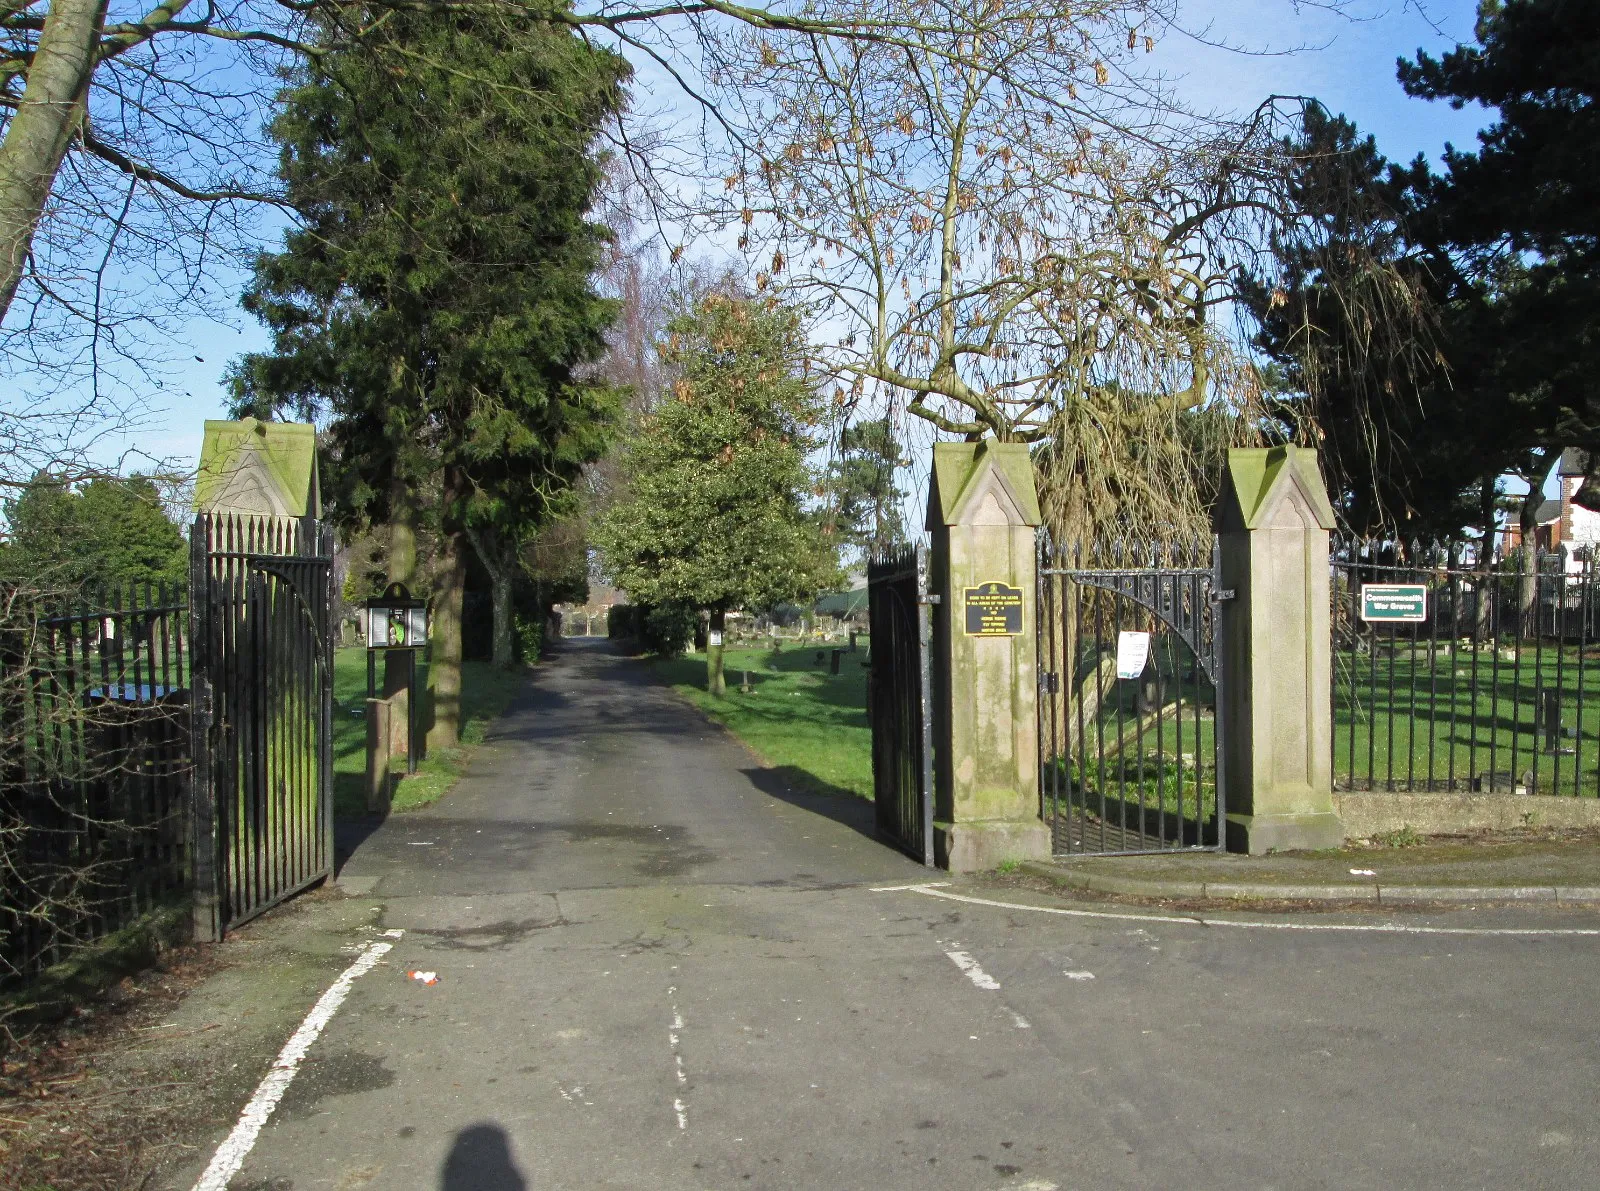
{"points": [[94, 766], [899, 698], [167, 745], [1130, 764], [1492, 686], [264, 663]]}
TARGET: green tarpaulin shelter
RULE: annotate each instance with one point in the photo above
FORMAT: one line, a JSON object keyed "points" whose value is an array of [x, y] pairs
{"points": [[843, 603]]}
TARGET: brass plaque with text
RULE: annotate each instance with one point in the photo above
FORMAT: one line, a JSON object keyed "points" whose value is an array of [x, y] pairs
{"points": [[994, 610]]}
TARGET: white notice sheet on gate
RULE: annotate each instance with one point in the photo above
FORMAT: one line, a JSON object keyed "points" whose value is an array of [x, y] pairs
{"points": [[1133, 651]]}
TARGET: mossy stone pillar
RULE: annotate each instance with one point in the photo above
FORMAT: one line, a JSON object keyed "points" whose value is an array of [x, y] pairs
{"points": [[1274, 519], [982, 514]]}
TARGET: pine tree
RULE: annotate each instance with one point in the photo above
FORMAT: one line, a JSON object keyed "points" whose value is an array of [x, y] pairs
{"points": [[1520, 216], [1377, 338], [100, 537], [862, 483]]}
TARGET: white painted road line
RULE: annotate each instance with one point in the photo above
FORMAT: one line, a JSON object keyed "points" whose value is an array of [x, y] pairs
{"points": [[679, 1108], [974, 973], [237, 1145], [1377, 928], [983, 980], [903, 888]]}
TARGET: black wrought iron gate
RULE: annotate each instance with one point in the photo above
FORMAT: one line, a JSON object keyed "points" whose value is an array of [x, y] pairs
{"points": [[1129, 715], [261, 603], [899, 698]]}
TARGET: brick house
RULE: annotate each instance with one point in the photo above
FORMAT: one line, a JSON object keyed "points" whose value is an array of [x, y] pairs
{"points": [[1562, 520]]}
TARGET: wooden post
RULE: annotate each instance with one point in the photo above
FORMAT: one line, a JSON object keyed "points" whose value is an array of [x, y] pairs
{"points": [[380, 742]]}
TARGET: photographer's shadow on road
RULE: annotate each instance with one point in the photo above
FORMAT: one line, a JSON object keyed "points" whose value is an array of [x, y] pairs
{"points": [[480, 1160]]}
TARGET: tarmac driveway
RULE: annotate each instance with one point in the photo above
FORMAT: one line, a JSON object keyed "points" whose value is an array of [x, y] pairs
{"points": [[658, 968]]}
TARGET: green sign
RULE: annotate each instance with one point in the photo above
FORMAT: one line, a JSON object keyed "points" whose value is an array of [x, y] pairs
{"points": [[1394, 601]]}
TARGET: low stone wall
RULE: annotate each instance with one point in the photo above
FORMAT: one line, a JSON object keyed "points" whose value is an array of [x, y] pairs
{"points": [[1365, 815]]}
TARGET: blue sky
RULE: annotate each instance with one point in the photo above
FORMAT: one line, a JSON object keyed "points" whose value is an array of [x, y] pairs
{"points": [[1346, 62], [1349, 64]]}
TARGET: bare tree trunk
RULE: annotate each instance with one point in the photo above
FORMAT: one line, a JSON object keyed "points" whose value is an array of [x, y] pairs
{"points": [[1486, 495], [501, 563], [49, 113], [402, 532], [1528, 522], [1482, 583], [541, 610], [505, 655], [445, 650], [716, 683], [1092, 690]]}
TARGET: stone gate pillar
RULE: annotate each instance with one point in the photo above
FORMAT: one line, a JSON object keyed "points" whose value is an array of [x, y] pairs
{"points": [[982, 515], [1273, 519]]}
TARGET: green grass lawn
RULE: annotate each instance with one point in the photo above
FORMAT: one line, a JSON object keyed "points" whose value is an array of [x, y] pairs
{"points": [[1131, 764], [1174, 771], [797, 717], [485, 693], [1471, 711], [1399, 705]]}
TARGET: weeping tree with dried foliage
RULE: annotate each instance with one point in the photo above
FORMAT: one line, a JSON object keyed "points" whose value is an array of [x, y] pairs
{"points": [[1013, 227]]}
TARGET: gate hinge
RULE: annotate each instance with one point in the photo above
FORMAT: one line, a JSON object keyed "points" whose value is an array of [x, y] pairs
{"points": [[1051, 682], [928, 599], [1226, 593], [202, 700]]}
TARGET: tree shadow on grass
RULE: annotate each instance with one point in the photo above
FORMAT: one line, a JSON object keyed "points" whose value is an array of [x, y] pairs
{"points": [[801, 788], [847, 689]]}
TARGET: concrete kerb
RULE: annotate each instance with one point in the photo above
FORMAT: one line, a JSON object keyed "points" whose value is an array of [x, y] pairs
{"points": [[1374, 892]]}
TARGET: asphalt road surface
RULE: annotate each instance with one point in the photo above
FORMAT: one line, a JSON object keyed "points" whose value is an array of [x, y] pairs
{"points": [[661, 968]]}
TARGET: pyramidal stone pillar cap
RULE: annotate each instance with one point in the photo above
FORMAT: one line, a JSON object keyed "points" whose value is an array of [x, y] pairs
{"points": [[967, 474], [259, 468], [1262, 479]]}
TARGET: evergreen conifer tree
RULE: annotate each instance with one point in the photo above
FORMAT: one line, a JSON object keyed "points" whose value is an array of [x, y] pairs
{"points": [[435, 303]]}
